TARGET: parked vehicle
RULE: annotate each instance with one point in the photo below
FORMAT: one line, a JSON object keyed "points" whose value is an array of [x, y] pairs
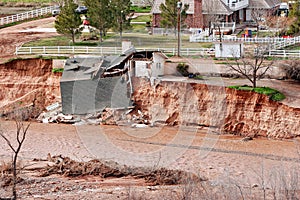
{"points": [[56, 11], [81, 10]]}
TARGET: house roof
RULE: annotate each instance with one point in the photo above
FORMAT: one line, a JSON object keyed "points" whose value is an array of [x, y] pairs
{"points": [[216, 7], [84, 68], [155, 8], [209, 6], [263, 4]]}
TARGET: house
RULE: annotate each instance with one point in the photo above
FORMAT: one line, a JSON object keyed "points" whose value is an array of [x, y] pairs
{"points": [[267, 6], [90, 84], [194, 13], [201, 13]]}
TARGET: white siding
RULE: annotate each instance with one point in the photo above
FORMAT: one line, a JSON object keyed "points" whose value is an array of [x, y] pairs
{"points": [[229, 50], [158, 65], [141, 69]]}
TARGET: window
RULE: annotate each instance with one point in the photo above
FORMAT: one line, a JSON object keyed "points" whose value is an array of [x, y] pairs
{"points": [[158, 65]]}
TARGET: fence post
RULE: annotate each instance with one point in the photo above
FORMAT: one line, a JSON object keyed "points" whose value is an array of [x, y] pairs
{"points": [[30, 50]]}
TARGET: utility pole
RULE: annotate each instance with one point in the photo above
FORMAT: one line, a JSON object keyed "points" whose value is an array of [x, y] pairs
{"points": [[179, 5]]}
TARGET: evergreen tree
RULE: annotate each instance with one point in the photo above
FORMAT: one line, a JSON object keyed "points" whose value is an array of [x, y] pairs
{"points": [[100, 14], [122, 14], [68, 21], [294, 28], [169, 14]]}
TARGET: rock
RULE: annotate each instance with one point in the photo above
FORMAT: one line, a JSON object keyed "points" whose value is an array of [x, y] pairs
{"points": [[139, 125], [246, 139]]}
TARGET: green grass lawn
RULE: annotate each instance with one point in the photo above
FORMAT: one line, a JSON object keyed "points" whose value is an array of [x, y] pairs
{"points": [[274, 95], [142, 18], [138, 36], [138, 9]]}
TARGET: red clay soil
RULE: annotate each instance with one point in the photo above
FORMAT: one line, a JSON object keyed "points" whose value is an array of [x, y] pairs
{"points": [[28, 82], [239, 112]]}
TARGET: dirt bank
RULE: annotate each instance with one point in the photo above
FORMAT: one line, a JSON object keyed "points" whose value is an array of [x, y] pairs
{"points": [[28, 82], [238, 112]]}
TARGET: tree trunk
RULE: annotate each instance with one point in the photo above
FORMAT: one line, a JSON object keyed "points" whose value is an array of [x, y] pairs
{"points": [[73, 38], [254, 79], [101, 35], [14, 190]]}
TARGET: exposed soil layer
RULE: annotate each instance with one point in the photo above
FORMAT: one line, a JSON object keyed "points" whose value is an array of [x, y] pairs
{"points": [[239, 112], [28, 83]]}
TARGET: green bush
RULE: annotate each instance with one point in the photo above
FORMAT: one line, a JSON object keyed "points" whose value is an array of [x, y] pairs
{"points": [[57, 70], [182, 68], [199, 77]]}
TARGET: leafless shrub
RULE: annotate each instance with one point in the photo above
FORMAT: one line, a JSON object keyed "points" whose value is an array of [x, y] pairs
{"points": [[292, 70], [21, 133]]}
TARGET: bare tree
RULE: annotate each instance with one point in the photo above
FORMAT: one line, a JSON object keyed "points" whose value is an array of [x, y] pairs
{"points": [[210, 15], [21, 133], [253, 67], [259, 17]]}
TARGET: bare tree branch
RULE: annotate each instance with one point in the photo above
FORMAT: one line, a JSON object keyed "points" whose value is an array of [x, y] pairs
{"points": [[21, 133], [252, 68]]}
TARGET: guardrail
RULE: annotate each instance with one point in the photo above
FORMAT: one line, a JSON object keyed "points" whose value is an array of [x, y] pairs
{"points": [[26, 15], [67, 50]]}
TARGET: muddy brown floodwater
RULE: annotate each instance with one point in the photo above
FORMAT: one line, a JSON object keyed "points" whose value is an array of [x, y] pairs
{"points": [[222, 159]]}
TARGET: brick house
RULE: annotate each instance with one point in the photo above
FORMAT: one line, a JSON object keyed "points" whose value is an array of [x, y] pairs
{"points": [[226, 10]]}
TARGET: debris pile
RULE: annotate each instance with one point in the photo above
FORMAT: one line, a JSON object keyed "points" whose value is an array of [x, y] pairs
{"points": [[70, 168], [108, 116]]}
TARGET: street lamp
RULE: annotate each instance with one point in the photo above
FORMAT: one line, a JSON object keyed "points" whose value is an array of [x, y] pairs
{"points": [[179, 5]]}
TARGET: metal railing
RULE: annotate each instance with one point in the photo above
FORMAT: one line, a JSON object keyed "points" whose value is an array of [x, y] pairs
{"points": [[67, 50], [26, 15]]}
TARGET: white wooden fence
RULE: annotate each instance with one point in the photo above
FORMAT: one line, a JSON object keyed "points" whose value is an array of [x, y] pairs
{"points": [[26, 15], [67, 50], [284, 53], [247, 40], [284, 43]]}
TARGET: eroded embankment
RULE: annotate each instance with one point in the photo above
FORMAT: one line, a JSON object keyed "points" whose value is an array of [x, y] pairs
{"points": [[238, 112], [28, 82]]}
